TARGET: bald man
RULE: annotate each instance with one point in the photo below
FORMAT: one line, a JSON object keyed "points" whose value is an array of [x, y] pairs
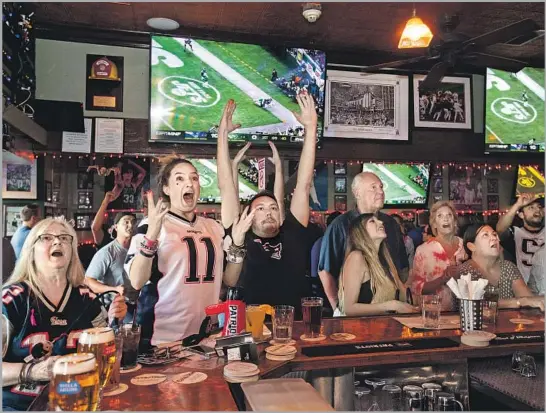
{"points": [[368, 192]]}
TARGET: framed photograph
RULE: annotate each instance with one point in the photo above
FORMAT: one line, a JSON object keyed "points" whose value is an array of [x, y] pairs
{"points": [[493, 186], [85, 180], [56, 197], [437, 170], [83, 162], [465, 187], [340, 185], [438, 185], [366, 106], [340, 202], [85, 199], [18, 177], [48, 212], [57, 180], [48, 191], [493, 202], [340, 168], [447, 107], [12, 219], [83, 221], [436, 198]]}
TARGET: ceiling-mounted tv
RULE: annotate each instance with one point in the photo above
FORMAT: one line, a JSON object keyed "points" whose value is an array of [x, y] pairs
{"points": [[529, 180], [405, 185], [191, 81], [514, 111]]}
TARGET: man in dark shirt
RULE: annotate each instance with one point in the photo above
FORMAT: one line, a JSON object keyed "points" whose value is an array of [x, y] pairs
{"points": [[276, 255], [368, 192]]}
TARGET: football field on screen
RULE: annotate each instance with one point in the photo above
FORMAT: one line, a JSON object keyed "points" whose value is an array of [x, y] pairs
{"points": [[397, 182], [181, 100], [509, 119]]}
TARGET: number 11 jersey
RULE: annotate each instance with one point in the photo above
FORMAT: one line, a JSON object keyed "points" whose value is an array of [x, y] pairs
{"points": [[186, 277]]}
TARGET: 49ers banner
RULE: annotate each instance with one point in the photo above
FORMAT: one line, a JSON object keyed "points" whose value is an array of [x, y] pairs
{"points": [[128, 179]]}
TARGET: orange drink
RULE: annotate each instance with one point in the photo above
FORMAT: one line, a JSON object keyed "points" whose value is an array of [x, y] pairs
{"points": [[255, 317]]}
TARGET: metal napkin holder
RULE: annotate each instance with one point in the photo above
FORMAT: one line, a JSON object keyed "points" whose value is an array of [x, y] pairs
{"points": [[237, 347]]}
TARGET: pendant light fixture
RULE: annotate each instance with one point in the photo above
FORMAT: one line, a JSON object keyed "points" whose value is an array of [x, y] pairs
{"points": [[416, 34]]}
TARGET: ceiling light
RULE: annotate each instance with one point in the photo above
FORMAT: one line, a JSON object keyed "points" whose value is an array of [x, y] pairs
{"points": [[162, 23], [416, 34]]}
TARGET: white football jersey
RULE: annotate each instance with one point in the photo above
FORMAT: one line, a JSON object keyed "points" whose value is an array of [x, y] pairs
{"points": [[527, 243], [187, 274]]}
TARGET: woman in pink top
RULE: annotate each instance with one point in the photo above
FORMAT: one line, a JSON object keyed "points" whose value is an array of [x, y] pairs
{"points": [[436, 260]]}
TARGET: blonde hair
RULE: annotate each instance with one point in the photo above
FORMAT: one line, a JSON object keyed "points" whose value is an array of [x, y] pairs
{"points": [[26, 269], [382, 285], [434, 211]]}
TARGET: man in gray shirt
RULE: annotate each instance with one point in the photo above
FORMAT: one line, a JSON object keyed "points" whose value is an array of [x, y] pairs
{"points": [[105, 272]]}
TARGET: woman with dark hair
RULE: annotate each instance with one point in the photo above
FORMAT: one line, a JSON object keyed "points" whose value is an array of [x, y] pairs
{"points": [[177, 257], [369, 281], [482, 244], [45, 306]]}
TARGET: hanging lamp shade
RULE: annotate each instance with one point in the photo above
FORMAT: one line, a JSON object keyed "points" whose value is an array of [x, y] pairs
{"points": [[416, 34]]}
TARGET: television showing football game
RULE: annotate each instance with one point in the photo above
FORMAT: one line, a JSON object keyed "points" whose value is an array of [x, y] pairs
{"points": [[192, 80], [529, 180], [208, 178], [404, 184], [514, 111]]}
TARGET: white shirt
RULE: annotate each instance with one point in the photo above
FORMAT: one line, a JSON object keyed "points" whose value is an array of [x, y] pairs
{"points": [[527, 243]]}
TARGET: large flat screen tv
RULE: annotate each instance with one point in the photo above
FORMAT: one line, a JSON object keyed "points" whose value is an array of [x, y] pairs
{"points": [[405, 185], [208, 178], [191, 81], [514, 111], [529, 180]]}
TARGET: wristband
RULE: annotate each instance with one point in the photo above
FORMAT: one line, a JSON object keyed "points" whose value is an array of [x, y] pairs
{"points": [[148, 243], [146, 253]]}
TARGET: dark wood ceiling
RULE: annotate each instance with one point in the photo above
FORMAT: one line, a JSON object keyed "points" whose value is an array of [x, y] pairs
{"points": [[348, 27]]}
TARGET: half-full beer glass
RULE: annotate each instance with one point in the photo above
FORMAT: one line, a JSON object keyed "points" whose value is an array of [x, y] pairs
{"points": [[75, 383], [101, 342]]}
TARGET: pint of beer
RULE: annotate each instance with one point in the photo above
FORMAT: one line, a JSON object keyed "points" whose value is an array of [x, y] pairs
{"points": [[75, 383], [101, 342]]}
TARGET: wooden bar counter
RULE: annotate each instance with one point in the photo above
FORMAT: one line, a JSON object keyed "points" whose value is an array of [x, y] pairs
{"points": [[214, 393]]}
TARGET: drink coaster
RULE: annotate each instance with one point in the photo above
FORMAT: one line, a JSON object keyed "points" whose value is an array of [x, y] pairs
{"points": [[274, 357], [190, 377], [342, 336], [281, 350], [148, 379], [288, 343], [132, 370], [122, 388], [521, 321], [242, 379], [320, 337], [473, 343], [240, 369]]}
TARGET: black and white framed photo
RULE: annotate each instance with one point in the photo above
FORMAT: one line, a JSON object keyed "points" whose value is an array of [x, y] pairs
{"points": [[340, 168], [85, 180], [83, 221], [57, 180], [493, 186], [493, 202], [449, 106], [437, 170], [340, 184], [18, 177], [437, 198], [12, 219], [438, 185], [48, 191], [366, 106], [56, 197], [465, 187], [340, 203], [85, 200], [84, 162], [48, 212]]}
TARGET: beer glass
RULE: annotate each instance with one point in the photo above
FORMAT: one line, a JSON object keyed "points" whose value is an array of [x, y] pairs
{"points": [[75, 383], [131, 338], [311, 308], [255, 317], [101, 342], [283, 320], [431, 308], [115, 376], [490, 305]]}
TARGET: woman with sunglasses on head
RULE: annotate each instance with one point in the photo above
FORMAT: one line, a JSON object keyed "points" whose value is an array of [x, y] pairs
{"points": [[482, 244], [45, 306], [369, 282]]}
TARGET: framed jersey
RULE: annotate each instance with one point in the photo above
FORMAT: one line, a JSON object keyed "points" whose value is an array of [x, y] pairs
{"points": [[130, 179]]}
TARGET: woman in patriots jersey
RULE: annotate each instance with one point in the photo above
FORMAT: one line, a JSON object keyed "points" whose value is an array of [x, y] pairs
{"points": [[44, 308], [177, 258]]}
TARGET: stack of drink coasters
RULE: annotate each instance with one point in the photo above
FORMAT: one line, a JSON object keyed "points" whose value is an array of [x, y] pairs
{"points": [[280, 352], [241, 372], [477, 338]]}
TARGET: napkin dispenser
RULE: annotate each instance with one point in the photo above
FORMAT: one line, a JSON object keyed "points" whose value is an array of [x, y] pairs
{"points": [[237, 347]]}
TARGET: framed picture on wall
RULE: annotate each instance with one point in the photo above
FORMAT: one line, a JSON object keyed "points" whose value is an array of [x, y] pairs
{"points": [[56, 197], [85, 200], [340, 185], [48, 212], [83, 162], [340, 168], [57, 180], [48, 191], [449, 106], [12, 219], [465, 187], [436, 198], [366, 106], [340, 202], [83, 221], [438, 185], [493, 186], [492, 202], [85, 180], [18, 177], [437, 170]]}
